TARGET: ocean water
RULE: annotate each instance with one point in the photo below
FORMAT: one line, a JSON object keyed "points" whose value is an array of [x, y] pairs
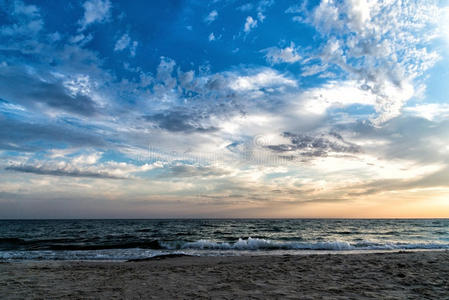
{"points": [[134, 239]]}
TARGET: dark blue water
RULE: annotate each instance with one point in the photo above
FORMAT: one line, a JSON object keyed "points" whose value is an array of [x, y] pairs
{"points": [[127, 239]]}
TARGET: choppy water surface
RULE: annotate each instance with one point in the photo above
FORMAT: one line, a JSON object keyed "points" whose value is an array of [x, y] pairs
{"points": [[130, 239]]}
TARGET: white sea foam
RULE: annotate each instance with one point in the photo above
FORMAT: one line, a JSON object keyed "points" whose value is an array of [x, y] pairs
{"points": [[204, 247], [265, 244]]}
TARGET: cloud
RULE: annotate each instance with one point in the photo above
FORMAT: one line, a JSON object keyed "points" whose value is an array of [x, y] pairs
{"points": [[95, 11], [212, 16], [62, 98], [377, 44], [182, 170], [133, 48], [297, 8], [216, 97], [430, 111], [436, 179], [406, 137], [275, 55], [264, 4], [87, 159], [81, 39], [28, 10], [229, 90], [335, 94], [246, 7], [265, 78], [39, 170], [31, 91], [125, 43], [27, 21], [178, 121], [122, 43], [260, 7], [82, 166], [326, 17], [315, 146], [250, 24], [213, 37], [165, 71], [34, 136]]}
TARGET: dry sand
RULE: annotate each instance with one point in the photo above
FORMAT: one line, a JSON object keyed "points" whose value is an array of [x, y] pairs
{"points": [[411, 275]]}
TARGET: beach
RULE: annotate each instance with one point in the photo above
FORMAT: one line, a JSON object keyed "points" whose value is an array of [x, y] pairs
{"points": [[398, 275]]}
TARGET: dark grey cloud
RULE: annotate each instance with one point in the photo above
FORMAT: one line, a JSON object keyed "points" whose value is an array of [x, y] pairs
{"points": [[178, 121], [28, 90], [24, 136], [315, 146], [38, 170]]}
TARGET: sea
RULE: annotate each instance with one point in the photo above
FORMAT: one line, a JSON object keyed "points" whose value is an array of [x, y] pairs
{"points": [[140, 239]]}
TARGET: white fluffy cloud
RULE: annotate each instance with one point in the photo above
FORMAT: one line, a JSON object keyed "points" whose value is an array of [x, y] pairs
{"points": [[275, 55], [212, 16], [95, 11], [125, 42], [84, 165], [382, 45], [250, 24], [338, 94], [122, 43], [263, 79], [430, 111]]}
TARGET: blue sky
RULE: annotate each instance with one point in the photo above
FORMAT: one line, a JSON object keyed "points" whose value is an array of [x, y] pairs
{"points": [[224, 108]]}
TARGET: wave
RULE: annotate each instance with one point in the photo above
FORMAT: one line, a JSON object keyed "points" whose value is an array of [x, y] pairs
{"points": [[11, 244], [252, 246], [265, 244]]}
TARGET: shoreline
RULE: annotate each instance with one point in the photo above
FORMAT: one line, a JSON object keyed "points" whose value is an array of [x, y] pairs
{"points": [[406, 274]]}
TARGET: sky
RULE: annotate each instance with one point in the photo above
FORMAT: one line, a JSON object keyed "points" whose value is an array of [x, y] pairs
{"points": [[218, 109]]}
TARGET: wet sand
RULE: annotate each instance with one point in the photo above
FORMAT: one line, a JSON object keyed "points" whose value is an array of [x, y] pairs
{"points": [[404, 275]]}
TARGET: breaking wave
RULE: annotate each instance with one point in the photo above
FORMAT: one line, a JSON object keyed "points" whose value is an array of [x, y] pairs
{"points": [[240, 244], [265, 244]]}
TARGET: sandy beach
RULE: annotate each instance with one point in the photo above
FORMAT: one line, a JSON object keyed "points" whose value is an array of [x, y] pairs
{"points": [[403, 275]]}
